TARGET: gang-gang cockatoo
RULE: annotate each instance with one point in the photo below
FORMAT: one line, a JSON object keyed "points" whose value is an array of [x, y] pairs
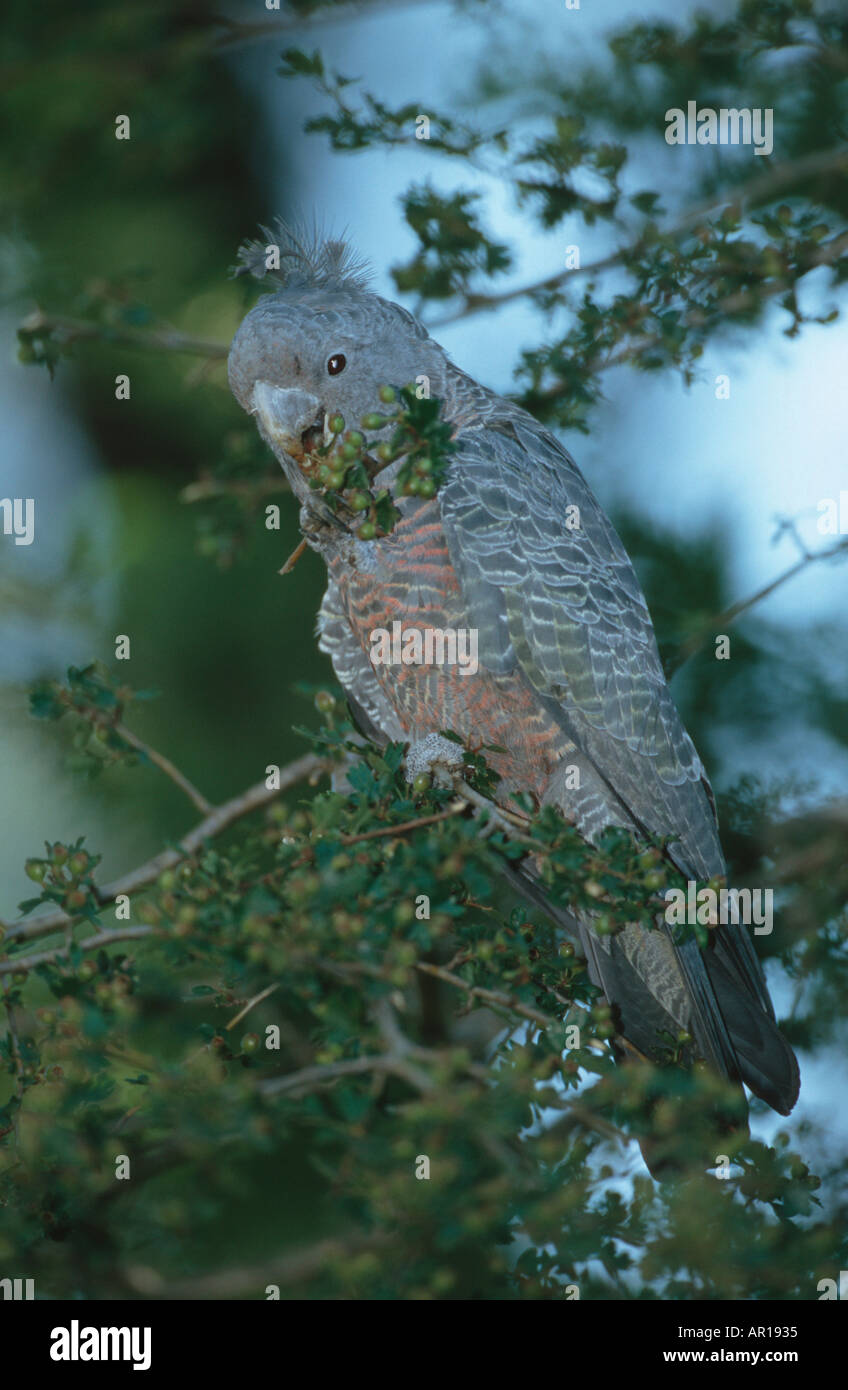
{"points": [[569, 675]]}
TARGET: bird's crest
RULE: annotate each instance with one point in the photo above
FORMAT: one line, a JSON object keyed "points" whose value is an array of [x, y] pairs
{"points": [[296, 259]]}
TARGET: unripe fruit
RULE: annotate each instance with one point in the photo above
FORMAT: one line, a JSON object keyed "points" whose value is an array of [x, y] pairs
{"points": [[250, 1042], [367, 531], [325, 702], [78, 863], [59, 853], [387, 394], [87, 970], [421, 783], [373, 421], [384, 452], [426, 488], [335, 480], [356, 439], [74, 900], [36, 869], [337, 423], [167, 880], [359, 501]]}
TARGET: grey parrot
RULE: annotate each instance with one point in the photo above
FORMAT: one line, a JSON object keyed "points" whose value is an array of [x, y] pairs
{"points": [[569, 674]]}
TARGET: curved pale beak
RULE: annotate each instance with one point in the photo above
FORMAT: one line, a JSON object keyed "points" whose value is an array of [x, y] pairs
{"points": [[284, 415]]}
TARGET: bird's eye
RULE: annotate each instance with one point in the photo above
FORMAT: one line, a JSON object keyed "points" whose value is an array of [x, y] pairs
{"points": [[337, 363]]}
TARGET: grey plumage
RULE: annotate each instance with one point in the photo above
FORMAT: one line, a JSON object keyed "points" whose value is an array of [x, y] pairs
{"points": [[560, 615]]}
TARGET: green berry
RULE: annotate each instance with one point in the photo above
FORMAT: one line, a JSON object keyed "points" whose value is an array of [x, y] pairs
{"points": [[373, 421], [421, 783], [250, 1042], [424, 466], [413, 487], [78, 863], [356, 440], [387, 394], [87, 970], [59, 853], [36, 869], [336, 480], [337, 423], [359, 501], [324, 702], [367, 531], [348, 451], [74, 900], [426, 488]]}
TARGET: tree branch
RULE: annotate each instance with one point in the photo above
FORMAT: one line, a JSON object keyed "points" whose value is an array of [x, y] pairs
{"points": [[39, 324], [722, 620], [757, 190], [218, 819]]}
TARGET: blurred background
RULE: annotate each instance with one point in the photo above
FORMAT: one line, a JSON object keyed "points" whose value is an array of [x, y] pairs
{"points": [[217, 147]]}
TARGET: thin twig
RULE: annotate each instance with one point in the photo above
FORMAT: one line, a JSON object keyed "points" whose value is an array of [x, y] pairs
{"points": [[202, 488], [165, 765], [251, 1003], [488, 996], [162, 339], [293, 558], [453, 810], [721, 620], [91, 943]]}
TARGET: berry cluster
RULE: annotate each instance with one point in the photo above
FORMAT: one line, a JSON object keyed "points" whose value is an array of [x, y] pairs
{"points": [[344, 469]]}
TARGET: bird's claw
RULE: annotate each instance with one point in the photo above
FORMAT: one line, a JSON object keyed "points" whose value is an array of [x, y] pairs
{"points": [[435, 755]]}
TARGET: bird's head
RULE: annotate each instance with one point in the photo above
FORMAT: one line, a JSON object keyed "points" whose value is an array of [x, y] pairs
{"points": [[323, 345]]}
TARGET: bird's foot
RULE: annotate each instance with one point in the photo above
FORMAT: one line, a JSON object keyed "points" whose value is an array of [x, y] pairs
{"points": [[435, 756]]}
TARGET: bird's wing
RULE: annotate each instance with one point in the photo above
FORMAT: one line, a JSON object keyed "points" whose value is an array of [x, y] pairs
{"points": [[552, 590]]}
